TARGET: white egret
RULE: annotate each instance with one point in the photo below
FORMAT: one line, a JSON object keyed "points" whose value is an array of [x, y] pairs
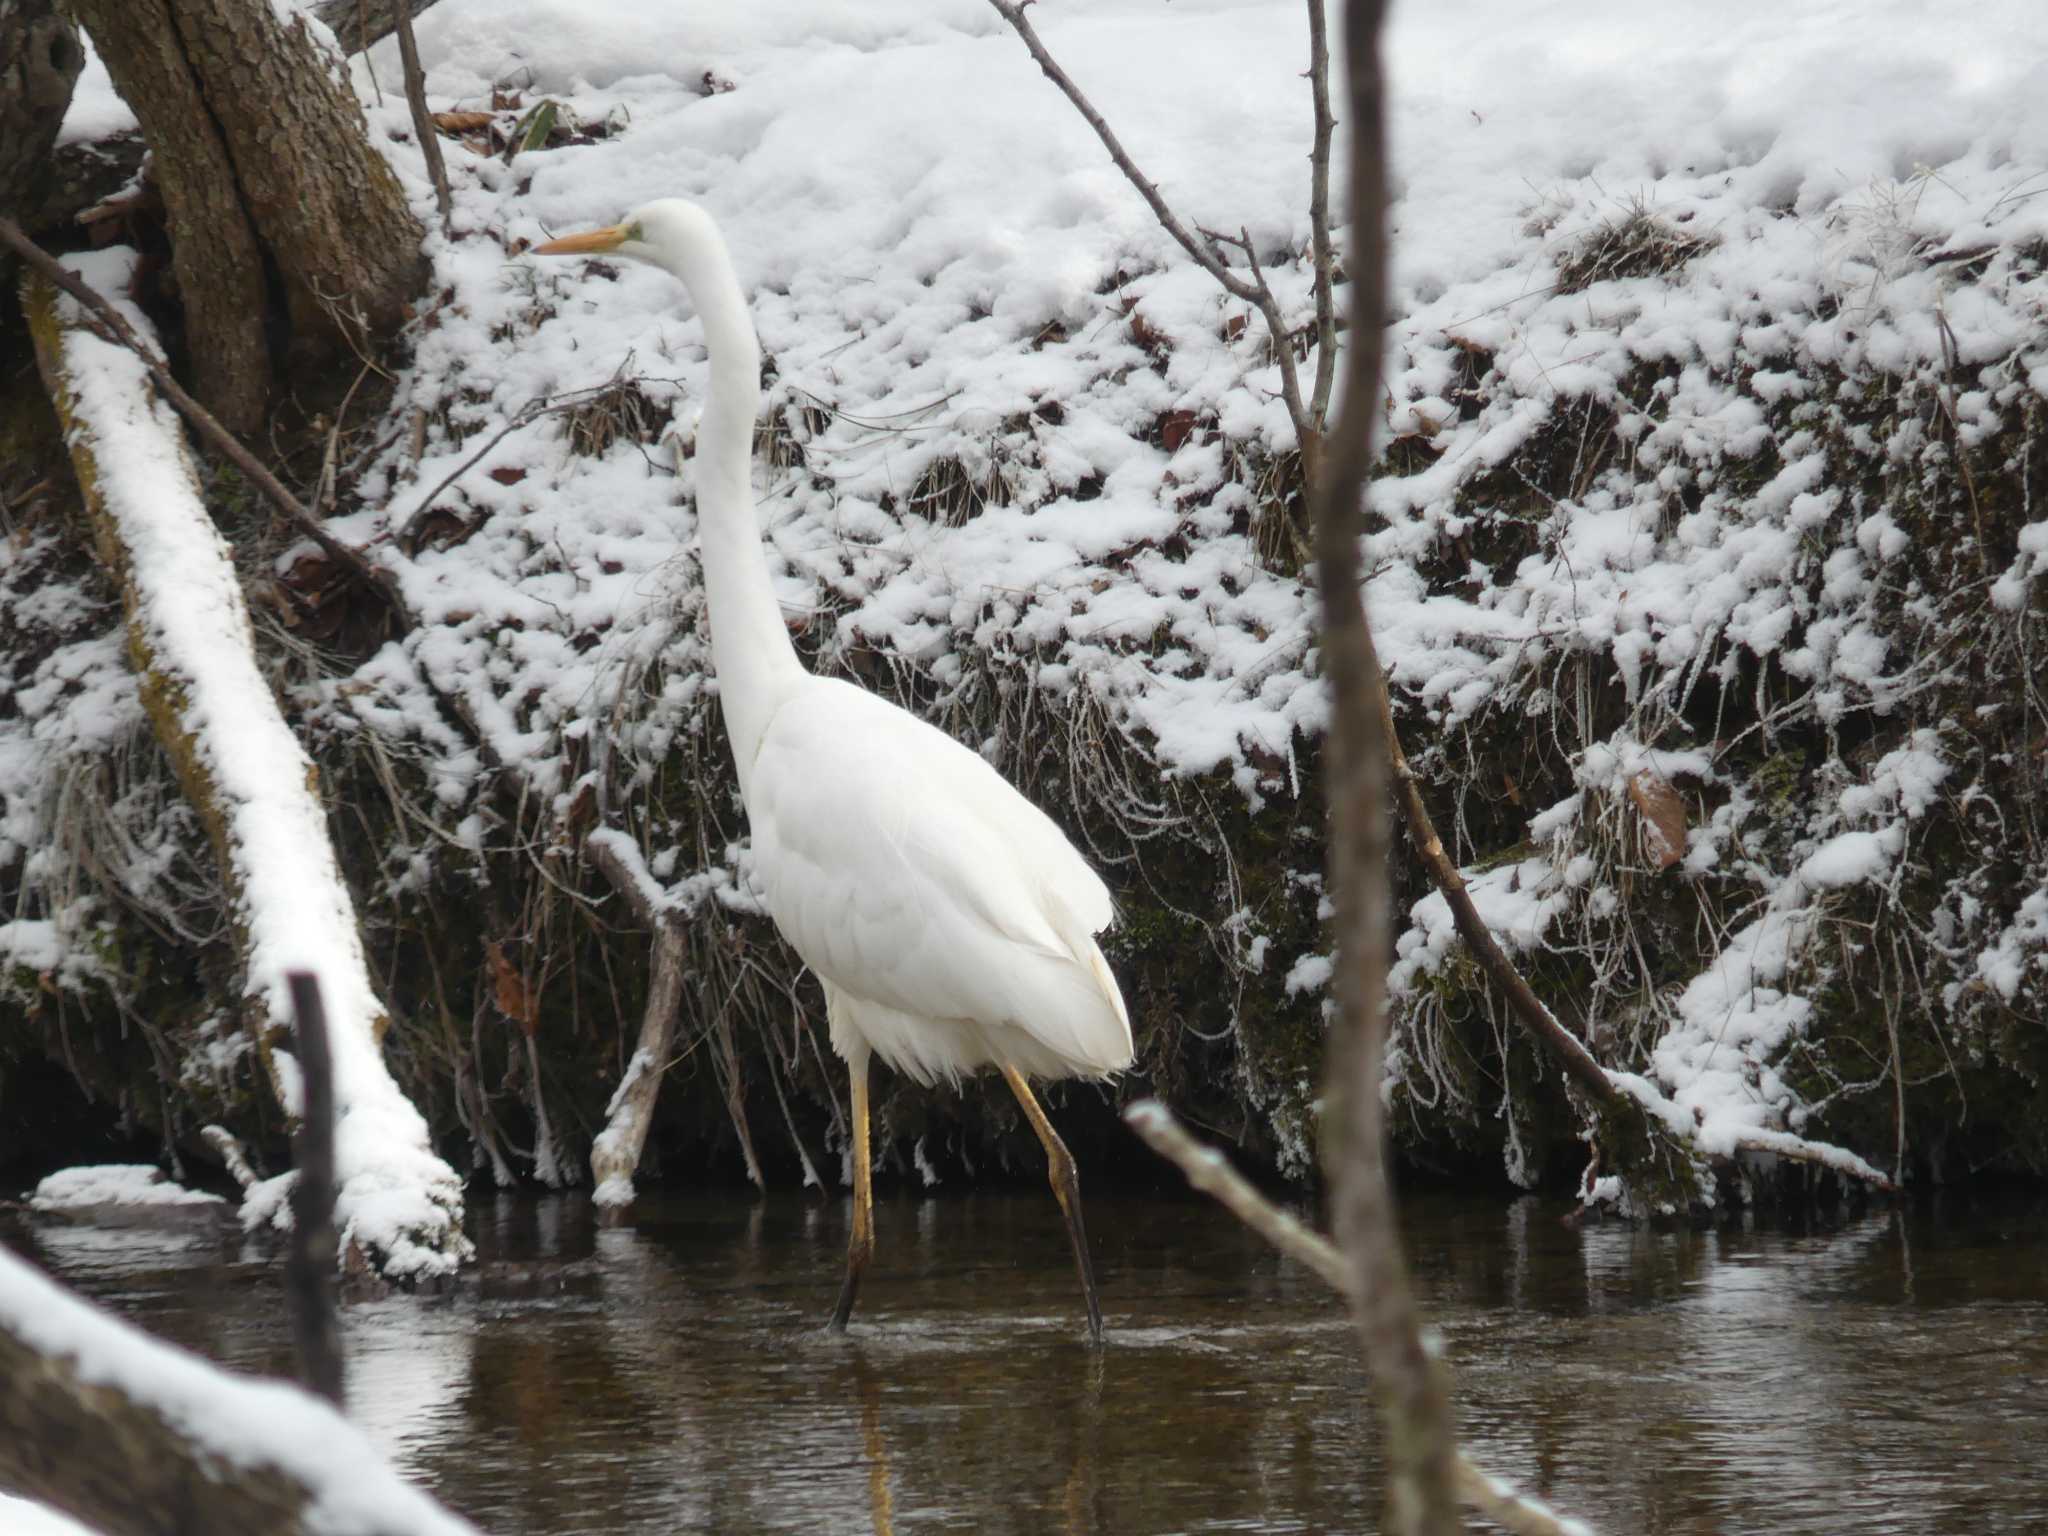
{"points": [[951, 922]]}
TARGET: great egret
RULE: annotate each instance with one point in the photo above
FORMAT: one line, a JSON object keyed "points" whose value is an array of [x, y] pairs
{"points": [[951, 922]]}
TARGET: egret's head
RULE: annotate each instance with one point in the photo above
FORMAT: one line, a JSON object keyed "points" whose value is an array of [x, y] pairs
{"points": [[663, 233]]}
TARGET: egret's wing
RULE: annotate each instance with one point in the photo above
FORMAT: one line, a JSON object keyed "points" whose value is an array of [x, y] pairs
{"points": [[907, 872]]}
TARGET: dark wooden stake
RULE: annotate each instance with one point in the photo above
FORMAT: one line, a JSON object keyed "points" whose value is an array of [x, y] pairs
{"points": [[310, 1266]]}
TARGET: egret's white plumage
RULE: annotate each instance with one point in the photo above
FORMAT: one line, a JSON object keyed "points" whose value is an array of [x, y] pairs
{"points": [[950, 916], [952, 924]]}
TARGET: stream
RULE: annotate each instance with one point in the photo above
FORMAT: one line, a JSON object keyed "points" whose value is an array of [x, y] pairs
{"points": [[1887, 1373]]}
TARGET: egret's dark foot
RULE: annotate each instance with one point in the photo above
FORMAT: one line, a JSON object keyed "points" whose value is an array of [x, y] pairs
{"points": [[847, 1292], [861, 1246], [1066, 1188]]}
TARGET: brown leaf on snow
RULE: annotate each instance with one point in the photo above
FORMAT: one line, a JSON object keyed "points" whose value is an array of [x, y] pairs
{"points": [[1663, 813]]}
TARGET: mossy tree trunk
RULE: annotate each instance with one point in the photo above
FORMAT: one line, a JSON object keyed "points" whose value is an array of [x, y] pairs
{"points": [[286, 225]]}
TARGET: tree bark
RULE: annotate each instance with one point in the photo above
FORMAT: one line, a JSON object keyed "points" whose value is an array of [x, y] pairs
{"points": [[328, 209], [265, 166], [40, 59], [217, 262]]}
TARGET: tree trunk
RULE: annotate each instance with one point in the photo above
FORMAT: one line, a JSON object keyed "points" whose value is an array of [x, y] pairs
{"points": [[39, 63], [265, 168]]}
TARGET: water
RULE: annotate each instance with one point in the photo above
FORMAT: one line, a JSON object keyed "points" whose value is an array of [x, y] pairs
{"points": [[1882, 1375]]}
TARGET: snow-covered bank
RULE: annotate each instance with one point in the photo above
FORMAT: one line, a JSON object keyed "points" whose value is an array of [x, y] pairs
{"points": [[1714, 381]]}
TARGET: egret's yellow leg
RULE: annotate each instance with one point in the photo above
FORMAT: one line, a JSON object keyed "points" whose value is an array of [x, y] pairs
{"points": [[861, 1247], [1066, 1188]]}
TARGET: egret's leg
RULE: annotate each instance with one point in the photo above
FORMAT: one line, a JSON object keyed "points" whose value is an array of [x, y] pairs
{"points": [[861, 1247], [1066, 1188]]}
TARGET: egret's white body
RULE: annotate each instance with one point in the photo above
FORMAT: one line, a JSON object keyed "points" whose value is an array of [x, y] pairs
{"points": [[951, 922]]}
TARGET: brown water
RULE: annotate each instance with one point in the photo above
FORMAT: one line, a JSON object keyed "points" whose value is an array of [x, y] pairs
{"points": [[1876, 1376]]}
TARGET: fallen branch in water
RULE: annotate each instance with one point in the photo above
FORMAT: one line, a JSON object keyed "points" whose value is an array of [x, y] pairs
{"points": [[615, 1153]]}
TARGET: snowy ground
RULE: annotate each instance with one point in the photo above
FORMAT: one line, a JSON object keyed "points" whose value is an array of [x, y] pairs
{"points": [[968, 308]]}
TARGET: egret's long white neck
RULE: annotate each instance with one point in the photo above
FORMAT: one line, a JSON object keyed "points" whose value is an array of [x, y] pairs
{"points": [[750, 646]]}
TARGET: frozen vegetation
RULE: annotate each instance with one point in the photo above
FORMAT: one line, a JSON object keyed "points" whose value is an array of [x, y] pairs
{"points": [[1704, 563]]}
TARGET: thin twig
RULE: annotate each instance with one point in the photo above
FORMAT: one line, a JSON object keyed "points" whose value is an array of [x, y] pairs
{"points": [[1255, 293], [309, 1268], [1211, 1173], [422, 120], [527, 413], [112, 326], [1322, 253]]}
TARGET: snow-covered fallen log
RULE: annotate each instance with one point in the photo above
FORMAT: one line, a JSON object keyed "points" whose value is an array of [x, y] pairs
{"points": [[121, 1430], [242, 769]]}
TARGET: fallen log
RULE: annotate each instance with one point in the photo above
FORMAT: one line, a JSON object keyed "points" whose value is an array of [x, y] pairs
{"points": [[398, 1205]]}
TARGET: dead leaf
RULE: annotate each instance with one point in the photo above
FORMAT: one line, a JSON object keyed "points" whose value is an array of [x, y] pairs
{"points": [[1175, 428], [508, 474], [513, 998], [1663, 813], [455, 123]]}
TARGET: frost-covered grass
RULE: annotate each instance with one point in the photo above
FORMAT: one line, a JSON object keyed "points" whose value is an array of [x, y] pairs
{"points": [[1713, 389]]}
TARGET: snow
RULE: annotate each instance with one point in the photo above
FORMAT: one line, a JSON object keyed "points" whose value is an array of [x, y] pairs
{"points": [[963, 301], [395, 1196], [97, 110], [114, 1184], [21, 1517], [246, 1422]]}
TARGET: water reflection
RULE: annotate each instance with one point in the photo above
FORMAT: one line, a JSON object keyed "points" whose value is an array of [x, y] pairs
{"points": [[1887, 1374]]}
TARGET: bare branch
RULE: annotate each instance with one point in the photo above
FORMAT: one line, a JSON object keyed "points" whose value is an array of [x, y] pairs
{"points": [[110, 324], [1256, 292], [1210, 1172], [1322, 254], [1561, 1044], [1013, 12], [422, 120], [615, 1153], [1414, 1398]]}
